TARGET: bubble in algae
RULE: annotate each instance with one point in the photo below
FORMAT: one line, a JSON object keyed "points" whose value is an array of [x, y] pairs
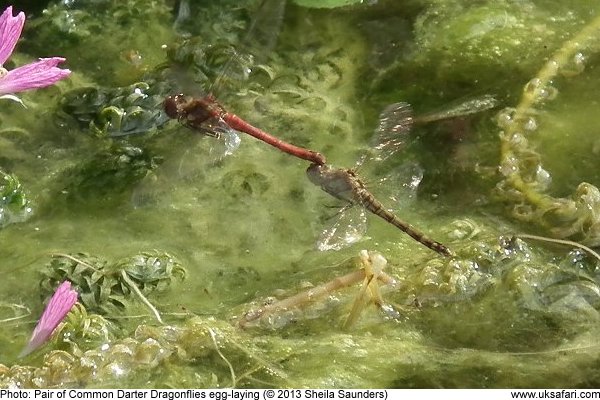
{"points": [[505, 117], [509, 166], [518, 139], [530, 124], [462, 229], [540, 91], [150, 352], [574, 66], [532, 86], [543, 178]]}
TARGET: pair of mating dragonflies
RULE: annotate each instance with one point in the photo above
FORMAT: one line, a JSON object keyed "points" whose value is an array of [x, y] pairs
{"points": [[206, 115]]}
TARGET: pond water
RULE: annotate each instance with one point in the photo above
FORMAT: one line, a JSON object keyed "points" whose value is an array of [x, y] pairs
{"points": [[121, 195]]}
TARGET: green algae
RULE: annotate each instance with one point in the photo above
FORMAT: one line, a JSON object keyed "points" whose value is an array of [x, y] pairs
{"points": [[505, 312]]}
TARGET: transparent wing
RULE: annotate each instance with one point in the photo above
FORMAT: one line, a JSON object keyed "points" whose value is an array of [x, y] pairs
{"points": [[348, 227], [400, 185], [227, 141], [395, 123], [186, 165], [266, 26], [149, 191], [158, 188], [460, 109]]}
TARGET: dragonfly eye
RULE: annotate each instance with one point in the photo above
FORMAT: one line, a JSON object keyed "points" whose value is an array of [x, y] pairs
{"points": [[171, 107]]}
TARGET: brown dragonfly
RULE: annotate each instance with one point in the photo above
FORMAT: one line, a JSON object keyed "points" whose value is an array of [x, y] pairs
{"points": [[345, 184], [395, 122]]}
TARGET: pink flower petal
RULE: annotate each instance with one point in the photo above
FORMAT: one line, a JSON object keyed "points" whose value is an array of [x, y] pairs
{"points": [[10, 32], [38, 74], [58, 307]]}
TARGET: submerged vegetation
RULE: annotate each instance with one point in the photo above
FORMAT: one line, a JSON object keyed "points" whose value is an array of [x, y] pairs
{"points": [[526, 182], [14, 203], [109, 174], [107, 288]]}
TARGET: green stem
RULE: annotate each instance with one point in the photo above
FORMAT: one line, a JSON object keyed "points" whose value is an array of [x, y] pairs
{"points": [[529, 98], [137, 291]]}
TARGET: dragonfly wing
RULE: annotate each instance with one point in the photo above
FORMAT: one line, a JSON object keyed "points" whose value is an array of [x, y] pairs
{"points": [[149, 191], [403, 182], [348, 228], [227, 140], [395, 123], [266, 26], [157, 188], [460, 108], [185, 166]]}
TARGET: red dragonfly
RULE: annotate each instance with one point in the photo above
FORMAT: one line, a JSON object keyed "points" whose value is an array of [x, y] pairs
{"points": [[207, 116], [204, 114]]}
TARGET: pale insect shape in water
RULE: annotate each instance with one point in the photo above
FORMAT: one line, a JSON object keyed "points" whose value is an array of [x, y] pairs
{"points": [[395, 123]]}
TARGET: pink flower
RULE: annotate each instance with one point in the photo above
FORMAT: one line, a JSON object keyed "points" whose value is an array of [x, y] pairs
{"points": [[59, 305], [31, 76]]}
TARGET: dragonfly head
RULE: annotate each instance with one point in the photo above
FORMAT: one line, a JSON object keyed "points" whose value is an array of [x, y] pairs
{"points": [[174, 105]]}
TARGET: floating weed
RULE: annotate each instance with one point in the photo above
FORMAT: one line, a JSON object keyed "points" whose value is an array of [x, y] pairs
{"points": [[143, 298], [106, 287], [213, 336], [151, 350], [81, 329], [524, 180], [561, 241]]}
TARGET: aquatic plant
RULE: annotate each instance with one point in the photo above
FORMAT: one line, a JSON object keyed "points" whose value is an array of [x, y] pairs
{"points": [[81, 330], [106, 287], [14, 203], [463, 321], [109, 173], [57, 308], [220, 355], [525, 182], [36, 75], [116, 112]]}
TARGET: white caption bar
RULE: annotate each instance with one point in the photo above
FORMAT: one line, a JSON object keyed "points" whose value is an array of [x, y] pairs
{"points": [[297, 394]]}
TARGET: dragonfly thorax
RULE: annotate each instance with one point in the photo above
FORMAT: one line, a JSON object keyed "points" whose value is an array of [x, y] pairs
{"points": [[338, 182]]}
